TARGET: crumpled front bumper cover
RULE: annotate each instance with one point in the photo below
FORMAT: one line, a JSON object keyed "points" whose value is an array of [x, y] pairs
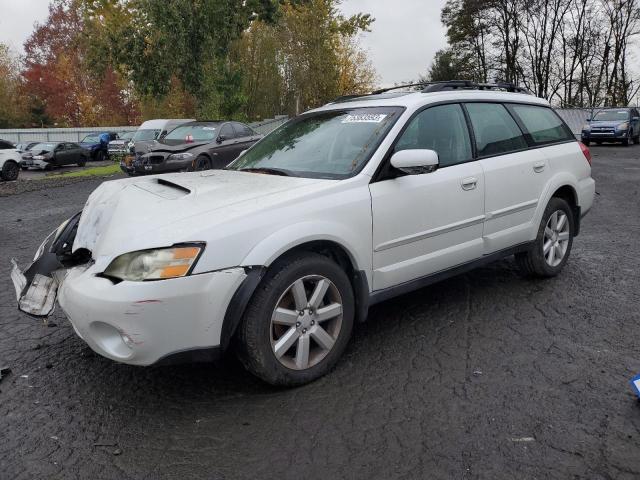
{"points": [[36, 288]]}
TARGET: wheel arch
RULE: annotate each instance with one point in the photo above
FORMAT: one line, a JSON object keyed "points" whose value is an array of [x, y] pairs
{"points": [[330, 247], [568, 193]]}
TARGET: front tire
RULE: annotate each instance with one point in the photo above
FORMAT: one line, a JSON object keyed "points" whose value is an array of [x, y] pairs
{"points": [[10, 171], [299, 321], [82, 162], [552, 245], [99, 156], [201, 163]]}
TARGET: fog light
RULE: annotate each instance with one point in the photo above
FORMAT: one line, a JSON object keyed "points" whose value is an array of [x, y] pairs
{"points": [[128, 341]]}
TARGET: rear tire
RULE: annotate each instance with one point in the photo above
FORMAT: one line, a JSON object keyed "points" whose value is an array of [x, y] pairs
{"points": [[82, 162], [289, 336], [552, 246], [10, 171]]}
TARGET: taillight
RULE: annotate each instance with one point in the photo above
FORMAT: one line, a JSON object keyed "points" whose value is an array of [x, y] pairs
{"points": [[585, 152]]}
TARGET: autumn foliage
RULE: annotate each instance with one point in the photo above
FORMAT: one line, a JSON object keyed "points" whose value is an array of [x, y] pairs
{"points": [[118, 62]]}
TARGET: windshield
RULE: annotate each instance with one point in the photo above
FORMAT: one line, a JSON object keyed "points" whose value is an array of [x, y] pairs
{"points": [[43, 147], [144, 135], [331, 144], [612, 115], [91, 139], [194, 133], [126, 135]]}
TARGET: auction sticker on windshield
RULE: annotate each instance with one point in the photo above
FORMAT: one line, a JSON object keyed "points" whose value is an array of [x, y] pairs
{"points": [[365, 118]]}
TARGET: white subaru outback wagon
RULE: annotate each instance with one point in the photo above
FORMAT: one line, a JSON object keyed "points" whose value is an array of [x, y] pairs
{"points": [[280, 253]]}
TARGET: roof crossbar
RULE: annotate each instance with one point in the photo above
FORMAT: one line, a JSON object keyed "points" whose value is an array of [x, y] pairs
{"points": [[469, 85]]}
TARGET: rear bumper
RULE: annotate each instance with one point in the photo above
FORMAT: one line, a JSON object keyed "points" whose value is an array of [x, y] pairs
{"points": [[141, 323], [586, 195], [609, 136]]}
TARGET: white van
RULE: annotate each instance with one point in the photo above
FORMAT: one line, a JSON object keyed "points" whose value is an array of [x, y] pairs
{"points": [[147, 134], [156, 129]]}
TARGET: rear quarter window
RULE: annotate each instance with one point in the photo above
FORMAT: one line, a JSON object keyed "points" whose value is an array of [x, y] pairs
{"points": [[542, 124]]}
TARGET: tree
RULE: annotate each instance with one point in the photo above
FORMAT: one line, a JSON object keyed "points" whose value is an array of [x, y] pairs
{"points": [[309, 57], [58, 79], [448, 66], [14, 111]]}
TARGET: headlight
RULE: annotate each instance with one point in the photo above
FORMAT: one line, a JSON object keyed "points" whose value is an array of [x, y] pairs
{"points": [[38, 157], [181, 156], [586, 127], [623, 126], [157, 264]]}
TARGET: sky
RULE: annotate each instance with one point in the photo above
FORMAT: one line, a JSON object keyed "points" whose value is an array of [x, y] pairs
{"points": [[401, 45]]}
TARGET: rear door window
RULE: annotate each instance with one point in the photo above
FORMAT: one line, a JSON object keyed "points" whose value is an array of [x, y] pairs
{"points": [[227, 132], [243, 130], [543, 124], [442, 129], [495, 130]]}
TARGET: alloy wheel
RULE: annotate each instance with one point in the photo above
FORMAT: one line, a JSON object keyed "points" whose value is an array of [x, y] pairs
{"points": [[306, 322], [555, 240]]}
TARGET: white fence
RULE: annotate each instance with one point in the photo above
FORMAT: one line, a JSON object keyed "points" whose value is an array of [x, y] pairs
{"points": [[575, 118], [77, 134]]}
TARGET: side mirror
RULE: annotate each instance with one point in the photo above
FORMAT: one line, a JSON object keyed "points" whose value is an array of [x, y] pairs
{"points": [[415, 162], [588, 119], [221, 138]]}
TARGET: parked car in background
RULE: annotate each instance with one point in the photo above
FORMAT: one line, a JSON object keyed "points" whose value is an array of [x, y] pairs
{"points": [[283, 251], [613, 125], [25, 147], [120, 146], [97, 144], [193, 146], [9, 161], [147, 135], [47, 155]]}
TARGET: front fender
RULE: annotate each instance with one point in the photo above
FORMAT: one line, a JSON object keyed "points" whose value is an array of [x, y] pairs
{"points": [[358, 245]]}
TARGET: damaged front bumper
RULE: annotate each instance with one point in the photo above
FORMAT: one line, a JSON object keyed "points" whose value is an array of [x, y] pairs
{"points": [[138, 323], [36, 288]]}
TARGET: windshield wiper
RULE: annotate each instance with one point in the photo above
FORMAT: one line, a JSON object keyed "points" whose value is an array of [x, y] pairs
{"points": [[269, 171]]}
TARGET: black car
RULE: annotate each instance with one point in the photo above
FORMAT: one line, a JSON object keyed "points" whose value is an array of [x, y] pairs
{"points": [[49, 154], [193, 146]]}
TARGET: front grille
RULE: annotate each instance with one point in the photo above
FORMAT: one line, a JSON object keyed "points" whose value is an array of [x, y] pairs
{"points": [[156, 159]]}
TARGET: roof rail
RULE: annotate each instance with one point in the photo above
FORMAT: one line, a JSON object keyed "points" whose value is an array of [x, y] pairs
{"points": [[397, 87], [430, 87], [469, 85]]}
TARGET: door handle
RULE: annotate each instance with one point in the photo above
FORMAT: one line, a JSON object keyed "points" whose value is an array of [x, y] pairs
{"points": [[469, 183], [538, 167]]}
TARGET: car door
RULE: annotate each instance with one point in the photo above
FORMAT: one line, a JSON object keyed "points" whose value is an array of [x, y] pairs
{"points": [[635, 123], [430, 222], [59, 154], [515, 175], [74, 152], [226, 148], [245, 136]]}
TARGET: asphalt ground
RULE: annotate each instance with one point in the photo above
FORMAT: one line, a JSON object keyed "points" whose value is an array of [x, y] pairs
{"points": [[486, 375]]}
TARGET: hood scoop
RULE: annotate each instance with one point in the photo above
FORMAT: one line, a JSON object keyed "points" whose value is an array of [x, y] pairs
{"points": [[164, 188]]}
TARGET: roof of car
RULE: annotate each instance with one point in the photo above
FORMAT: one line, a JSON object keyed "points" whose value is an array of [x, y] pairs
{"points": [[416, 99]]}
